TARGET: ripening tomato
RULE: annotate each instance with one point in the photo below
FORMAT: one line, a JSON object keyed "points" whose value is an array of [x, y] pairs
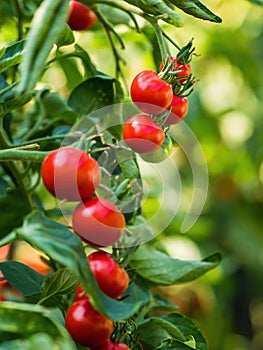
{"points": [[70, 173], [98, 222], [142, 134], [86, 325], [110, 345], [185, 69], [150, 93], [161, 153], [112, 279], [80, 17], [179, 109]]}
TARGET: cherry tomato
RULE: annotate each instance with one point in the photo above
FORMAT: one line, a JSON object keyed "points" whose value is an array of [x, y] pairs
{"points": [[111, 278], [71, 174], [161, 153], [185, 69], [110, 345], [150, 93], [142, 134], [98, 222], [80, 16], [179, 109], [80, 293], [86, 325]]}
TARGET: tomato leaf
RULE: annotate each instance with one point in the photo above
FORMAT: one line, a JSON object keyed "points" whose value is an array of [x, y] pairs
{"points": [[155, 330], [39, 341], [94, 93], [162, 303], [157, 268], [26, 280], [158, 8], [197, 9], [171, 344], [57, 284], [21, 320], [11, 55], [14, 210], [65, 247], [3, 186]]}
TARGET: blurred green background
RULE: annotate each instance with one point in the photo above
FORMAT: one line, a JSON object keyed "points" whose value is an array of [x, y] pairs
{"points": [[226, 115]]}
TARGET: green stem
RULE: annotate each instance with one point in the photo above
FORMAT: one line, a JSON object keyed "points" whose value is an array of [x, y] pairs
{"points": [[10, 154]]}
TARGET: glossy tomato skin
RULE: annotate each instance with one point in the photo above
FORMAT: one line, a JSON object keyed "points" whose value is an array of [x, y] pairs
{"points": [[110, 345], [161, 153], [150, 93], [80, 16], [71, 174], [185, 69], [142, 134], [98, 222], [112, 279], [80, 293], [86, 325], [179, 109]]}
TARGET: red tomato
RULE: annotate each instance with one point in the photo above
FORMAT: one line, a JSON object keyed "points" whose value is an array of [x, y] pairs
{"points": [[185, 69], [150, 94], [179, 109], [70, 173], [86, 325], [80, 293], [109, 345], [98, 222], [111, 278], [142, 134], [80, 16]]}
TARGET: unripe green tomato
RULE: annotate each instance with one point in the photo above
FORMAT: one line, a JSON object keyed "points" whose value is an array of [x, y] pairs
{"points": [[161, 153]]}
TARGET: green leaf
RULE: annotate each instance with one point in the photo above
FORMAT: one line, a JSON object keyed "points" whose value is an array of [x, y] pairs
{"points": [[93, 94], [257, 2], [156, 330], [11, 55], [39, 341], [41, 37], [21, 320], [66, 36], [171, 344], [57, 284], [65, 247], [161, 303], [157, 268], [158, 8], [197, 9], [3, 186], [15, 211], [189, 329], [22, 277]]}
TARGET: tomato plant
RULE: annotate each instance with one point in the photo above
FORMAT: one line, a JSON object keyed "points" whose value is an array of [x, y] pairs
{"points": [[80, 17], [142, 134], [98, 222], [70, 174], [86, 325], [150, 93], [65, 130]]}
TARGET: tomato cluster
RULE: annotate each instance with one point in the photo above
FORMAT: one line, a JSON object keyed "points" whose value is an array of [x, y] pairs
{"points": [[85, 324], [161, 96], [72, 175]]}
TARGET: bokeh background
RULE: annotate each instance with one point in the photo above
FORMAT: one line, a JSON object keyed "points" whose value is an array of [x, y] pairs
{"points": [[226, 115]]}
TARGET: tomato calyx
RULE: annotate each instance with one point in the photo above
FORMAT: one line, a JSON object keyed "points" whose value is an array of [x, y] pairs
{"points": [[185, 54]]}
